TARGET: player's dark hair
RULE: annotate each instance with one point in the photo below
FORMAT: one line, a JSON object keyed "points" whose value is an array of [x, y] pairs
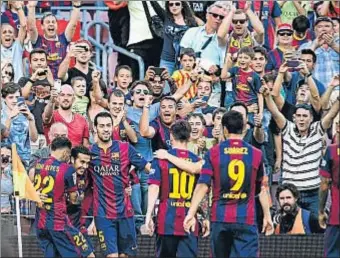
{"points": [[261, 50], [9, 88], [103, 115], [169, 98], [145, 83], [309, 52], [6, 146], [233, 121], [61, 143], [181, 131], [217, 111], [239, 104], [117, 93], [301, 23], [77, 78], [80, 149], [199, 115], [287, 186], [122, 67], [38, 51], [247, 51]]}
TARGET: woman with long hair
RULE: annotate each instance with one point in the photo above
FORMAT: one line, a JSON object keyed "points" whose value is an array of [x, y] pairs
{"points": [[178, 19]]}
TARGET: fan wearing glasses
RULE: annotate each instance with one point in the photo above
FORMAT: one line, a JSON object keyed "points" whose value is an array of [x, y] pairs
{"points": [[54, 44], [240, 36], [284, 47]]}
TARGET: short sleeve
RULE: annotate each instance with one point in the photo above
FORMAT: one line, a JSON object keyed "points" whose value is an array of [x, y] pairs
{"points": [[135, 158], [155, 173], [70, 180], [207, 171], [233, 71], [326, 164], [186, 41], [286, 130], [276, 12]]}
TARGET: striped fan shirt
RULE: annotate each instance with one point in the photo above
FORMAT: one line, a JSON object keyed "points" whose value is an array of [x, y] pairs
{"points": [[302, 156]]}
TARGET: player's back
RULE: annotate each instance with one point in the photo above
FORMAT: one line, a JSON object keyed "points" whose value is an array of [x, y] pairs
{"points": [[53, 178], [237, 171], [176, 191]]}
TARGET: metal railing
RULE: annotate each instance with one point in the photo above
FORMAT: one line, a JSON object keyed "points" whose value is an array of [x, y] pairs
{"points": [[102, 50]]}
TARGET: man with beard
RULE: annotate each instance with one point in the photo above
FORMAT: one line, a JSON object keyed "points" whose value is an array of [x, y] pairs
{"points": [[78, 128], [112, 208], [290, 218], [159, 129], [79, 211], [302, 147], [37, 90], [54, 44], [11, 48], [81, 50]]}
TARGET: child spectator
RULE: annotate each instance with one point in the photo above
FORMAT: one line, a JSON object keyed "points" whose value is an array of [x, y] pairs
{"points": [[302, 34], [245, 81], [123, 79], [81, 101], [187, 59]]}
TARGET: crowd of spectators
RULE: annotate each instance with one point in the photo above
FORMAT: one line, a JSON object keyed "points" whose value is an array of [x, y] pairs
{"points": [[275, 62]]}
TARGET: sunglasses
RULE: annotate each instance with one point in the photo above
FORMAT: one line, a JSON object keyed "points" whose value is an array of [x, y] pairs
{"points": [[175, 4], [215, 15], [285, 33], [139, 91], [239, 21], [10, 74]]}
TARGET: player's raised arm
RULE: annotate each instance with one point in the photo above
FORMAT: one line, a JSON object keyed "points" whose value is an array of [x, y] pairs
{"points": [[188, 166]]}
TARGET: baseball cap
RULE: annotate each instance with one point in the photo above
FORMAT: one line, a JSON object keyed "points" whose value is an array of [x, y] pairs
{"points": [[323, 19], [285, 27]]}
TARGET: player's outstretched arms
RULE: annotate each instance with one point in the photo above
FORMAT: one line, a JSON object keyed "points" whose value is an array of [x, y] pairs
{"points": [[190, 167]]}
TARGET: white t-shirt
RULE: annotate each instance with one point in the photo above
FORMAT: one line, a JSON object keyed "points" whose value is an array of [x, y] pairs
{"points": [[14, 55]]}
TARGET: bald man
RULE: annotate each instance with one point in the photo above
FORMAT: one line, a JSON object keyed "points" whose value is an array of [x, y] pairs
{"points": [[78, 128]]}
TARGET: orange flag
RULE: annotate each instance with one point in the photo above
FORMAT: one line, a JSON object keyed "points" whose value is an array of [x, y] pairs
{"points": [[22, 184]]}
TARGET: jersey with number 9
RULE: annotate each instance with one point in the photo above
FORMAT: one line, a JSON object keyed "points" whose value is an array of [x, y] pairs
{"points": [[53, 178], [176, 190], [236, 170]]}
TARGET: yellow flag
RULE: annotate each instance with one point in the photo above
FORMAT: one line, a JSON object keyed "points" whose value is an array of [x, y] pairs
{"points": [[22, 184]]}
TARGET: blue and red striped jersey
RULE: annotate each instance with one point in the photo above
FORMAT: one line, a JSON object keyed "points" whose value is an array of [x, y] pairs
{"points": [[298, 42], [236, 170], [161, 139], [78, 212], [56, 51], [275, 59], [110, 173], [330, 169], [246, 85], [176, 190], [55, 179]]}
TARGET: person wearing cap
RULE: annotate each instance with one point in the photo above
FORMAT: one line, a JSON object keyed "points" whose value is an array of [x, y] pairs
{"points": [[54, 44], [78, 128], [284, 45], [302, 148], [327, 48]]}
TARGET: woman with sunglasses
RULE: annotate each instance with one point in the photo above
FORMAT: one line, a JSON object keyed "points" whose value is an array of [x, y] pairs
{"points": [[178, 19], [7, 72]]}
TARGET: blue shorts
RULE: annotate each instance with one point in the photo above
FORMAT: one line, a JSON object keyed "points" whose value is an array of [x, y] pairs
{"points": [[234, 240], [176, 246], [117, 235], [68, 243], [332, 241]]}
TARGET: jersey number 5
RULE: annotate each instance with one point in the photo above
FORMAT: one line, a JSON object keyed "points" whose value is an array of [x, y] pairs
{"points": [[48, 183], [236, 172], [182, 184]]}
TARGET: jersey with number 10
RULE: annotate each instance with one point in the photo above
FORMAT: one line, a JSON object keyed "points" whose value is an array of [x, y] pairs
{"points": [[54, 178], [176, 190], [236, 170]]}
